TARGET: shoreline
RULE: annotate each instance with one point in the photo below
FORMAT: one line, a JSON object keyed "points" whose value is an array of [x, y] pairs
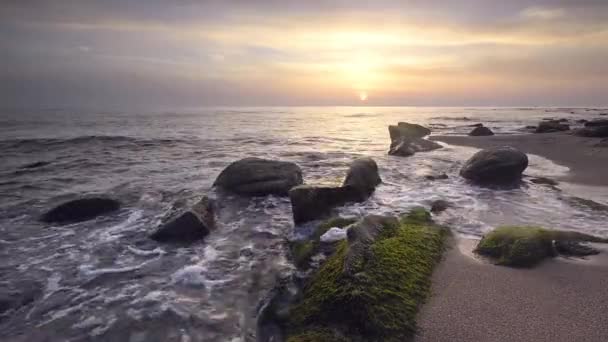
{"points": [[473, 300], [577, 153]]}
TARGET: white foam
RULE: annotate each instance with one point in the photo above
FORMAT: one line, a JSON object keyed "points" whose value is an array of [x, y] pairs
{"points": [[334, 234], [142, 252]]}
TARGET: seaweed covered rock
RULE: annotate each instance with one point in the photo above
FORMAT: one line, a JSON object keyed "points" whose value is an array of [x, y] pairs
{"points": [[370, 289], [259, 177], [481, 131], [189, 226], [80, 210], [313, 202], [527, 246], [499, 165]]}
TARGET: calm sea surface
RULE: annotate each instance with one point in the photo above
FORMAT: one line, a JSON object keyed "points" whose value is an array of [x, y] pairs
{"points": [[103, 280]]}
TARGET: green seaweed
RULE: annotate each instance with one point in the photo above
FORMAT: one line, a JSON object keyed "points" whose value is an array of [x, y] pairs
{"points": [[381, 301], [317, 335], [526, 246]]}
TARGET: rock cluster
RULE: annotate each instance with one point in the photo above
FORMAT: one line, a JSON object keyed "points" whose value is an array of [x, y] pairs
{"points": [[407, 139]]}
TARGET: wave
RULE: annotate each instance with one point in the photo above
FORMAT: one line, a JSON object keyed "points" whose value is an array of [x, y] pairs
{"points": [[115, 140]]}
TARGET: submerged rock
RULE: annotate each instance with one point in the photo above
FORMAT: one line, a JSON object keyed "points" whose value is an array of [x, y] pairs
{"points": [[189, 226], [259, 177], [500, 165], [544, 180], [81, 210], [481, 131], [592, 132], [433, 177], [596, 123], [551, 126], [313, 202], [371, 288], [439, 206], [527, 246]]}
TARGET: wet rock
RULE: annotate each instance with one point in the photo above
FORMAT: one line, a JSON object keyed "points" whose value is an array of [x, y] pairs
{"points": [[313, 202], [597, 123], [80, 210], [481, 131], [439, 206], [189, 226], [407, 130], [592, 132], [407, 147], [574, 248], [530, 127], [501, 165], [434, 177], [363, 176], [259, 177], [551, 126]]}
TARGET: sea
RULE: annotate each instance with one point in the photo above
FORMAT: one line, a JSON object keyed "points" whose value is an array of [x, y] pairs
{"points": [[105, 280]]}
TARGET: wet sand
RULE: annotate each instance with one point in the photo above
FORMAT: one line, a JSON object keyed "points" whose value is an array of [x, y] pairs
{"points": [[559, 300], [587, 162]]}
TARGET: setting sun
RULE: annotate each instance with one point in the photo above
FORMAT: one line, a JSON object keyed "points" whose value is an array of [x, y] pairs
{"points": [[363, 96]]}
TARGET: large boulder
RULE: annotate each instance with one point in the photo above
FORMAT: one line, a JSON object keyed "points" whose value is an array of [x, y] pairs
{"points": [[191, 225], [592, 132], [407, 130], [81, 209], [551, 126], [313, 202], [481, 131], [406, 147], [495, 166], [259, 177], [363, 176]]}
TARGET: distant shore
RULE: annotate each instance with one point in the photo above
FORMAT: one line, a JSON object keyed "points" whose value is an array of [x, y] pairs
{"points": [[587, 162]]}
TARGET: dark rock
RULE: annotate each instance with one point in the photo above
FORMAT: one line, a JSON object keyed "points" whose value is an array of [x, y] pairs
{"points": [[592, 132], [574, 248], [596, 123], [544, 180], [407, 130], [363, 176], [563, 119], [259, 177], [189, 226], [313, 202], [436, 177], [80, 210], [530, 127], [439, 206], [495, 166], [582, 121], [551, 126], [481, 131]]}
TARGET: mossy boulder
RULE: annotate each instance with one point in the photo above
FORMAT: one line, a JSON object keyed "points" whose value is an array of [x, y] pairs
{"points": [[370, 289], [527, 246]]}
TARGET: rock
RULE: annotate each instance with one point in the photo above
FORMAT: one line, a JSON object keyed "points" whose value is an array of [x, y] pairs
{"points": [[481, 131], [372, 286], [363, 176], [596, 123], [495, 166], [259, 177], [592, 132], [582, 121], [544, 180], [407, 147], [189, 226], [80, 210], [527, 246], [551, 126], [313, 202], [574, 248], [439, 206], [563, 119], [436, 177], [407, 130], [530, 127]]}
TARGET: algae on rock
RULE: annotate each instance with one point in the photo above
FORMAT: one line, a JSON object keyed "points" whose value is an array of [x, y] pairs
{"points": [[386, 282], [527, 246]]}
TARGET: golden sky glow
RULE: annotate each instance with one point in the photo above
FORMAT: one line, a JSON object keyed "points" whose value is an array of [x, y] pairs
{"points": [[438, 53]]}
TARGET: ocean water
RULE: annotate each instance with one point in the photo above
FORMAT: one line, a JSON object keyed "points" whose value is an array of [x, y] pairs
{"points": [[104, 280]]}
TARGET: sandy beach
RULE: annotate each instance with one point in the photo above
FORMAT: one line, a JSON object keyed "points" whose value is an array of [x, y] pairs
{"points": [[585, 160], [473, 300]]}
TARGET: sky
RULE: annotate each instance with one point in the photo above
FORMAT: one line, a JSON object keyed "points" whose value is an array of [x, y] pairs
{"points": [[187, 53]]}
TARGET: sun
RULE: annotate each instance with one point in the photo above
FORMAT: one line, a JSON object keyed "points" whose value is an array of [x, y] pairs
{"points": [[363, 96]]}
